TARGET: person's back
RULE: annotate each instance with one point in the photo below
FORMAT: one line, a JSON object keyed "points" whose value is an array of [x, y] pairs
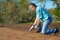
{"points": [[42, 13]]}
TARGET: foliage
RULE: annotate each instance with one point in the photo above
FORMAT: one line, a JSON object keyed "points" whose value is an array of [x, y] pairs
{"points": [[18, 12]]}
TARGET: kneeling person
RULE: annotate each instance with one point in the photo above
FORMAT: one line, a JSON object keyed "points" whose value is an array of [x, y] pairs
{"points": [[44, 17]]}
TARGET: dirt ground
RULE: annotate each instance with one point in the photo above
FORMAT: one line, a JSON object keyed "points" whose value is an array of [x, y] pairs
{"points": [[20, 32]]}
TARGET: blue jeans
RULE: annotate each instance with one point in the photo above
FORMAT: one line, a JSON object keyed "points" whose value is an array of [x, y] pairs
{"points": [[44, 28]]}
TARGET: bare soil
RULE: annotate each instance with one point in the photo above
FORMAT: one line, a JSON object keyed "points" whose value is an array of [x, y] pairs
{"points": [[20, 32]]}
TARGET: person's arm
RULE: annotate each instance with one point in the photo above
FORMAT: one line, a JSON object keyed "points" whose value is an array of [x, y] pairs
{"points": [[36, 23], [37, 20], [38, 17]]}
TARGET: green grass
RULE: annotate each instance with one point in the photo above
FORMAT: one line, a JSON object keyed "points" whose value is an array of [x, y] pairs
{"points": [[56, 21]]}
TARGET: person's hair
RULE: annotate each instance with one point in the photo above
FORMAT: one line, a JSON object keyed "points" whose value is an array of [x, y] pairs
{"points": [[32, 4]]}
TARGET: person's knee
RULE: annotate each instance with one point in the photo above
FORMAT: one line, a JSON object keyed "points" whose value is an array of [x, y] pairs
{"points": [[43, 32]]}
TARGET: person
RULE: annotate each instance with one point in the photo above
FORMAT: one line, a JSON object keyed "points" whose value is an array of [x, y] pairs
{"points": [[44, 17]]}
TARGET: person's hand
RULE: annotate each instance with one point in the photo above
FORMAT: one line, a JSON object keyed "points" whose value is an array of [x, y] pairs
{"points": [[36, 27]]}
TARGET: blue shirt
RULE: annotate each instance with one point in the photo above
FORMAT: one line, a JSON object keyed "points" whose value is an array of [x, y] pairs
{"points": [[42, 14]]}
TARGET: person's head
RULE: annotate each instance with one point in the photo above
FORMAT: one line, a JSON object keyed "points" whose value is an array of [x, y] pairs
{"points": [[32, 6]]}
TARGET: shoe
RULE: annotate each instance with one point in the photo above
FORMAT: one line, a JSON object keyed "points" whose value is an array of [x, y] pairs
{"points": [[38, 31], [55, 30]]}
